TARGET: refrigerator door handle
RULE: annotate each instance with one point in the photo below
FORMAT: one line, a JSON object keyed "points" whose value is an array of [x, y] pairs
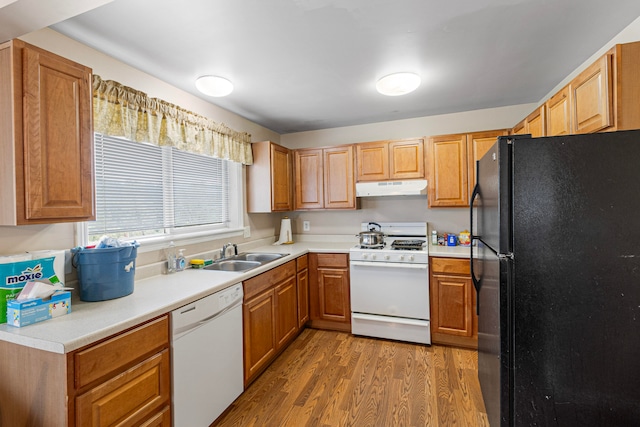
{"points": [[474, 195], [476, 281]]}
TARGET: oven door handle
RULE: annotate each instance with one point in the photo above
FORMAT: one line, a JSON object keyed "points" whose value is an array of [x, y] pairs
{"points": [[389, 265]]}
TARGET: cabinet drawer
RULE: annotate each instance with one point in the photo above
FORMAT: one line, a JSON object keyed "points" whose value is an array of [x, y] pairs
{"points": [[268, 279], [450, 265], [333, 260], [302, 262], [128, 398], [112, 355]]}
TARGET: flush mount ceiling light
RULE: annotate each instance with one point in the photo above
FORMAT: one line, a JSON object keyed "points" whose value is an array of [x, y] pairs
{"points": [[214, 86], [398, 84]]}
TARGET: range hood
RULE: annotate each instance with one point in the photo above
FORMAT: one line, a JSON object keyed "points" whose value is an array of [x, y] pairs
{"points": [[391, 188]]}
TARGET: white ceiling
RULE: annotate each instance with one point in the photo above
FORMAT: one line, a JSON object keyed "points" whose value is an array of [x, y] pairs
{"points": [[312, 64]]}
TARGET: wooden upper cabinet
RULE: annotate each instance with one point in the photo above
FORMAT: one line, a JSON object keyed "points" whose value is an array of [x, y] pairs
{"points": [[519, 129], [270, 178], [478, 144], [603, 97], [406, 159], [536, 124], [339, 185], [557, 110], [591, 97], [373, 161], [46, 137], [448, 171], [390, 160], [324, 178], [309, 179]]}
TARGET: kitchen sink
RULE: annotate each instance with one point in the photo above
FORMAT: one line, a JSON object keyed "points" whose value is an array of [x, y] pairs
{"points": [[244, 261], [257, 256], [233, 265]]}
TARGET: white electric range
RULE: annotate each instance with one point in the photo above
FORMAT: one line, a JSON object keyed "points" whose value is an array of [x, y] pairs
{"points": [[390, 284]]}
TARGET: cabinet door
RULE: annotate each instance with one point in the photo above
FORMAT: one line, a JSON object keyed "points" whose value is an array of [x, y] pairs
{"points": [[303, 297], [339, 180], [259, 333], [333, 292], [452, 309], [373, 161], [406, 159], [591, 93], [478, 144], [281, 176], [536, 123], [286, 309], [519, 129], [557, 113], [309, 183], [58, 139], [135, 395], [448, 171]]}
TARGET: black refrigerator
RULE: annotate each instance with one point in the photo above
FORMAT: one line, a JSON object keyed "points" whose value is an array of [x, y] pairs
{"points": [[557, 271]]}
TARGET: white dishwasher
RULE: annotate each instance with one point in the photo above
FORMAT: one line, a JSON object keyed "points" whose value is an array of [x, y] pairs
{"points": [[207, 372]]}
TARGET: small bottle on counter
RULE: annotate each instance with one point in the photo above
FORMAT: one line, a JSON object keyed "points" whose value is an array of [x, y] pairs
{"points": [[170, 253], [181, 262], [434, 237]]}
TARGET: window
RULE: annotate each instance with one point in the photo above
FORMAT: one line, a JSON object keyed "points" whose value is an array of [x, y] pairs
{"points": [[144, 191]]}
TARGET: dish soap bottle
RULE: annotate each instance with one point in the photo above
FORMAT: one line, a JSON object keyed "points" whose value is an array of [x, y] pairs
{"points": [[434, 238], [170, 253], [181, 263]]}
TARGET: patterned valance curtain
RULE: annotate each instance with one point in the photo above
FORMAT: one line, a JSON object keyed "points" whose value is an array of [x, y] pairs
{"points": [[125, 112]]}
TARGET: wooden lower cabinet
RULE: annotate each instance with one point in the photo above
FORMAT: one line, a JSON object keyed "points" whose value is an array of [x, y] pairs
{"points": [[128, 398], [286, 310], [123, 380], [453, 300], [329, 292], [303, 289], [259, 334], [270, 317]]}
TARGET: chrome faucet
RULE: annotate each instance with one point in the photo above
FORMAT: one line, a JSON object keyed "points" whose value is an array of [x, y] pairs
{"points": [[226, 247]]}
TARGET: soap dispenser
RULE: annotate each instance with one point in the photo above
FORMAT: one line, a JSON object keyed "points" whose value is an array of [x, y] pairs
{"points": [[181, 262]]}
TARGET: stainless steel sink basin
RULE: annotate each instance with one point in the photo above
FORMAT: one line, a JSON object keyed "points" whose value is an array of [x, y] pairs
{"points": [[260, 257], [244, 261], [233, 265]]}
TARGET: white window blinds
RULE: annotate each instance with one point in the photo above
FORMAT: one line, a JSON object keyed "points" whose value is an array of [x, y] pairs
{"points": [[144, 190]]}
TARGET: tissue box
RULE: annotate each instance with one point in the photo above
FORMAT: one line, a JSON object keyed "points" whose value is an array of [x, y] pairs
{"points": [[23, 313]]}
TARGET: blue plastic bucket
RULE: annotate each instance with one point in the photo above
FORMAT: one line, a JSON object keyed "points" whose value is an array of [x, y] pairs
{"points": [[105, 273]]}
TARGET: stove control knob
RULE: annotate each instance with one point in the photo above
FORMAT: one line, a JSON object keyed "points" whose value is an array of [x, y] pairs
{"points": [[386, 257], [401, 257], [365, 256], [373, 256], [410, 257]]}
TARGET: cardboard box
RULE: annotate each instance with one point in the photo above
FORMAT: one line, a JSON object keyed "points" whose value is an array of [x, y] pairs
{"points": [[23, 313]]}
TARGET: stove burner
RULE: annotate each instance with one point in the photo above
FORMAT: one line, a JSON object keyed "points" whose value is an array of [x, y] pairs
{"points": [[380, 246], [407, 244]]}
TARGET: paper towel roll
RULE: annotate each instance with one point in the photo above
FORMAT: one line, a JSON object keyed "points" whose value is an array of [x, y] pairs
{"points": [[286, 237], [58, 262]]}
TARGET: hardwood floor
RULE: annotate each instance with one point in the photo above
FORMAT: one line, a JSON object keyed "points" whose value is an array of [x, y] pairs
{"points": [[327, 378]]}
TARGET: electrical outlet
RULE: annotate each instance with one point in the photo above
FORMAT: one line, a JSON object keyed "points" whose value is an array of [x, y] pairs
{"points": [[306, 225], [247, 231]]}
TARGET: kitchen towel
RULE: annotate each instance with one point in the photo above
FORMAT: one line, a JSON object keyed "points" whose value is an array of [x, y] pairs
{"points": [[286, 237]]}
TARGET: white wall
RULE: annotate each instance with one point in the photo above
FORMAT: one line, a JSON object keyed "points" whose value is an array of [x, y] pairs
{"points": [[469, 121]]}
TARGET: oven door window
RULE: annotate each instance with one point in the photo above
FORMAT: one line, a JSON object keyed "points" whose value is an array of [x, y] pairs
{"points": [[390, 289]]}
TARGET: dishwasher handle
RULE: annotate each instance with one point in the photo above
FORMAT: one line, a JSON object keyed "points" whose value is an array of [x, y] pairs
{"points": [[185, 329]]}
